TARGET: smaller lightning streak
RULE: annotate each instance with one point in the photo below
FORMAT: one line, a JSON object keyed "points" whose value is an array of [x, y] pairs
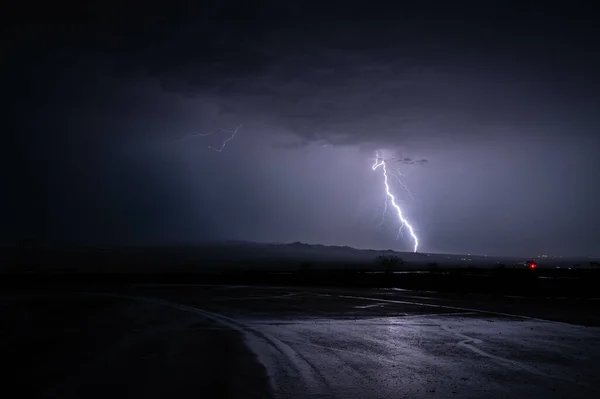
{"points": [[233, 133], [380, 163], [189, 136], [397, 175], [220, 149], [384, 211]]}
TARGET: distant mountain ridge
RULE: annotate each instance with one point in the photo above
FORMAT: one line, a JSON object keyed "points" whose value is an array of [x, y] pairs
{"points": [[226, 254]]}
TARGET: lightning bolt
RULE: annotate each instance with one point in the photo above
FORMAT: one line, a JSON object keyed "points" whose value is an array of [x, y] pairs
{"points": [[380, 163], [384, 211], [222, 147], [398, 176], [189, 136], [227, 140]]}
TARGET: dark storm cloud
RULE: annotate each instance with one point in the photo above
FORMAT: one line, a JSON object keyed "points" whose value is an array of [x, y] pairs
{"points": [[490, 93], [291, 145], [351, 72], [368, 73]]}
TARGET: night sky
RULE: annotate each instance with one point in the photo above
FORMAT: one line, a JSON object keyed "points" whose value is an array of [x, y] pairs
{"points": [[502, 101]]}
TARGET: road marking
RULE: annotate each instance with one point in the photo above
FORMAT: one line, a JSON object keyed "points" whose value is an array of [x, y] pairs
{"points": [[375, 305], [430, 305]]}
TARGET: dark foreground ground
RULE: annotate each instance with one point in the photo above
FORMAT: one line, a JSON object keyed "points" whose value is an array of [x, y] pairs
{"points": [[542, 282], [236, 341]]}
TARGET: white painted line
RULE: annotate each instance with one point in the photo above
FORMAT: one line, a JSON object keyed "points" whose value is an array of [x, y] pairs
{"points": [[375, 305], [430, 305]]}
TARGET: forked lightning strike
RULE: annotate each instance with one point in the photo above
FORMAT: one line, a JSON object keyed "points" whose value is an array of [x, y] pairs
{"points": [[384, 212], [222, 147], [397, 175], [227, 140], [380, 163]]}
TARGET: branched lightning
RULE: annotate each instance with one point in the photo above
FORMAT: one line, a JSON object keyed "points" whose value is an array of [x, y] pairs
{"points": [[189, 136], [384, 211], [380, 163], [227, 140], [398, 176], [222, 147]]}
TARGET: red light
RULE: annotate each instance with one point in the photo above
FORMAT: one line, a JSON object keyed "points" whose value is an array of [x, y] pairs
{"points": [[532, 265]]}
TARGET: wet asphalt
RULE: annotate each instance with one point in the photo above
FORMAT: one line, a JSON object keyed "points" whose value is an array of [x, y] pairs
{"points": [[236, 341]]}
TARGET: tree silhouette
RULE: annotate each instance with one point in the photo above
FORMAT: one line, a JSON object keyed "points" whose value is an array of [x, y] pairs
{"points": [[389, 262]]}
